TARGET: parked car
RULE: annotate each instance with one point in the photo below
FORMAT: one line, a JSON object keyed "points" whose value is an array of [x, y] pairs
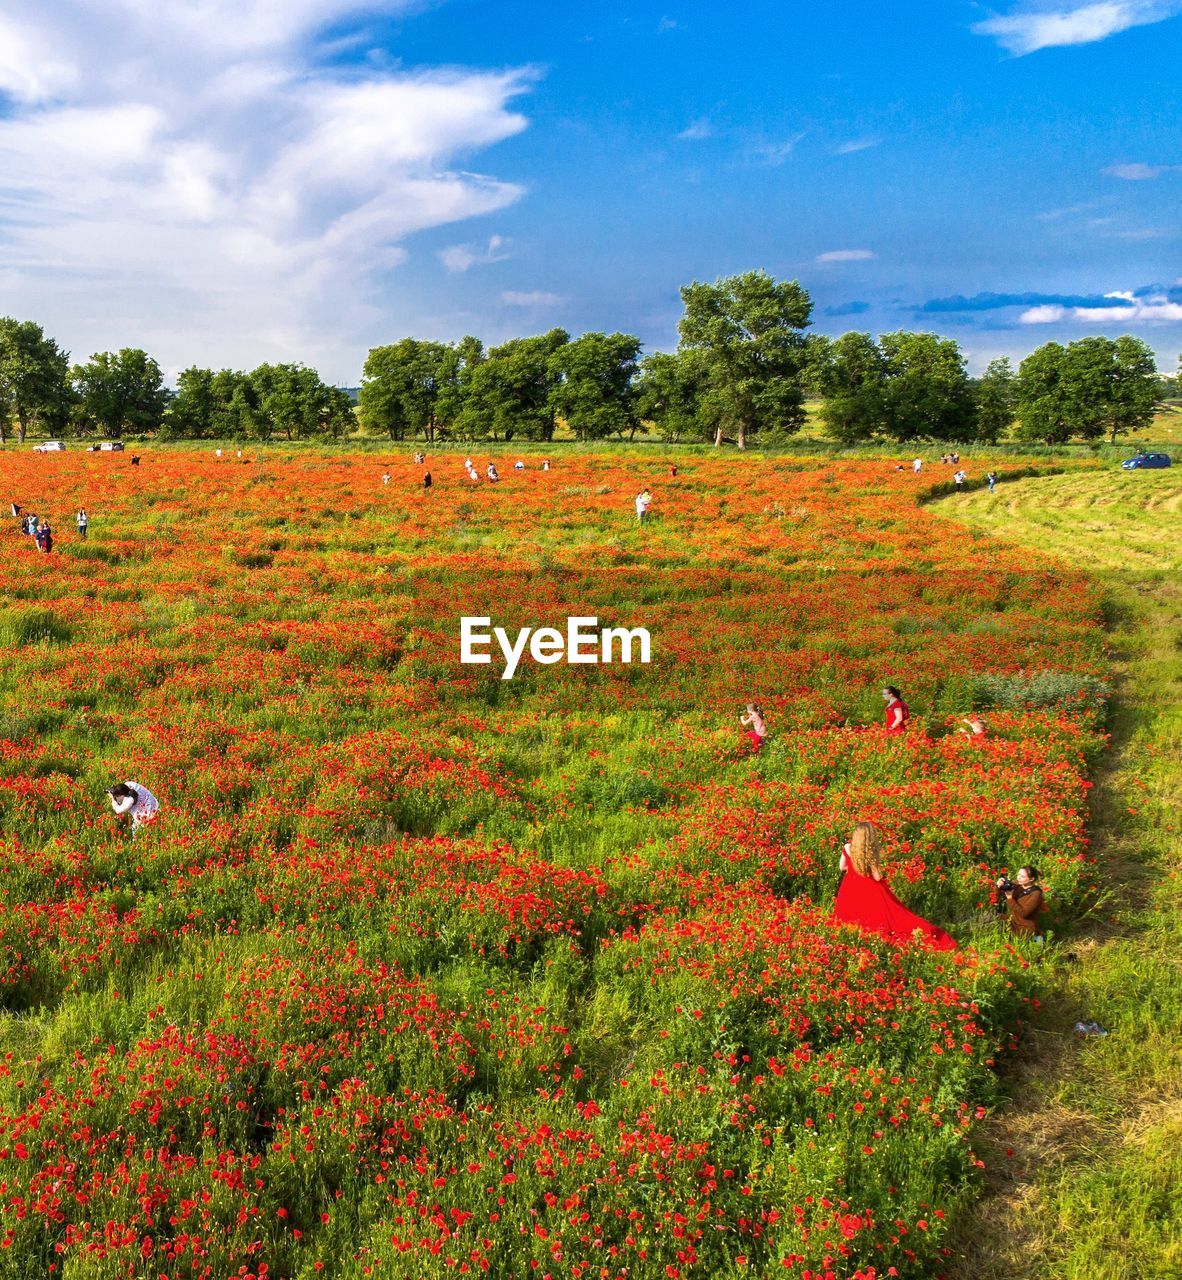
{"points": [[49, 446], [1141, 461], [111, 446]]}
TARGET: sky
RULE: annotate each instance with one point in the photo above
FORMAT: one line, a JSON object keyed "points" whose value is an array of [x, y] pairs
{"points": [[225, 183]]}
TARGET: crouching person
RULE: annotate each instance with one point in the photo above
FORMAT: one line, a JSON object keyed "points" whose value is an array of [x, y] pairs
{"points": [[1023, 897], [135, 800]]}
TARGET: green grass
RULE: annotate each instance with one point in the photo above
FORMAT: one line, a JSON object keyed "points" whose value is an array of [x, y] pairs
{"points": [[1084, 1168]]}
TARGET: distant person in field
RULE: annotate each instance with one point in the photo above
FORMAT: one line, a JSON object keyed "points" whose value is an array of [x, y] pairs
{"points": [[897, 712], [135, 459], [134, 800], [546, 464], [959, 479], [427, 482], [83, 520], [991, 477], [217, 453], [753, 720], [519, 465], [385, 477], [492, 473], [865, 899], [917, 465], [473, 474], [44, 537], [974, 726], [30, 524], [1025, 901], [420, 458], [673, 469], [644, 500]]}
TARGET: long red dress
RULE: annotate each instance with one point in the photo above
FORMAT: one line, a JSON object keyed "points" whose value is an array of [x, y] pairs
{"points": [[897, 715], [869, 903]]}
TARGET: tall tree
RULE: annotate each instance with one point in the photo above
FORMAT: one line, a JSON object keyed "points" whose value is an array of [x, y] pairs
{"points": [[995, 393], [34, 377], [456, 369], [1134, 388], [592, 380], [669, 393], [122, 391], [1046, 395], [928, 396], [512, 390], [400, 387], [293, 401], [748, 331], [851, 374], [191, 413]]}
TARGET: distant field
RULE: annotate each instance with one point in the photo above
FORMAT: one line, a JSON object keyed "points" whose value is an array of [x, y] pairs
{"points": [[1108, 519]]}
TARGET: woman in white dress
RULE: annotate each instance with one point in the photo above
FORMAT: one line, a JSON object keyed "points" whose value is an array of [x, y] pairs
{"points": [[135, 799]]}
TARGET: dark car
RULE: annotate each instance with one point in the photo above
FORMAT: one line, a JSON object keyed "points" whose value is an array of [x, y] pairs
{"points": [[1142, 461]]}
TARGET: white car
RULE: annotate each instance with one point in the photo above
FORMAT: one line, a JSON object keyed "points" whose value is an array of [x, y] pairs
{"points": [[111, 446], [49, 446]]}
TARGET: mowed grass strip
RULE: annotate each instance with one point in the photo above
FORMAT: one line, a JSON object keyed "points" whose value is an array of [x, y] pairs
{"points": [[1085, 1168]]}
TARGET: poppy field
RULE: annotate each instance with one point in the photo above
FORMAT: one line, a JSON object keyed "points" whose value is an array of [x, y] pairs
{"points": [[425, 973]]}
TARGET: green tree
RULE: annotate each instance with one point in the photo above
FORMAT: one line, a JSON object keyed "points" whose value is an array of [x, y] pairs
{"points": [[851, 375], [669, 394], [1045, 395], [748, 332], [400, 388], [236, 414], [191, 413], [996, 393], [121, 391], [511, 391], [292, 401], [1134, 389], [592, 384], [457, 367], [34, 378], [928, 396]]}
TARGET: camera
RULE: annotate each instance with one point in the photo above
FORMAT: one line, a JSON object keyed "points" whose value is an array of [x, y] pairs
{"points": [[1004, 886]]}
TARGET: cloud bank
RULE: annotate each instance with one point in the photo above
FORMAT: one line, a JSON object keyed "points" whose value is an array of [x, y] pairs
{"points": [[194, 179]]}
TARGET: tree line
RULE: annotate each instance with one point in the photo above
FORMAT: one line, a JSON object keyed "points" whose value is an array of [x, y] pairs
{"points": [[743, 370]]}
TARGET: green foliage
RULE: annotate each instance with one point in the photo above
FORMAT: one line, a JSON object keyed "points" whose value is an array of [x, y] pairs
{"points": [[34, 378], [592, 384], [747, 332], [851, 374], [19, 627], [121, 391], [512, 391], [928, 395], [1090, 387], [996, 400], [669, 392], [1051, 690]]}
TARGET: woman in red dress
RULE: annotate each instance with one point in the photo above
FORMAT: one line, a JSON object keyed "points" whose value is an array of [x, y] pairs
{"points": [[897, 713], [864, 898]]}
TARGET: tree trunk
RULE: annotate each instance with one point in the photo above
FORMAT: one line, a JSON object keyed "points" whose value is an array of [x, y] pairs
{"points": [[718, 436], [742, 440], [22, 419]]}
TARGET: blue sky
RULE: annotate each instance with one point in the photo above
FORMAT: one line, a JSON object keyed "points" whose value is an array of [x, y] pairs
{"points": [[224, 183]]}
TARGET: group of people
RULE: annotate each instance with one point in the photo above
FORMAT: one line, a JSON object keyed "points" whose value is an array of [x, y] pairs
{"points": [[864, 897], [39, 529]]}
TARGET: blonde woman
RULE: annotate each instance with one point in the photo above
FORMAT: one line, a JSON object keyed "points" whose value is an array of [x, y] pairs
{"points": [[865, 899]]}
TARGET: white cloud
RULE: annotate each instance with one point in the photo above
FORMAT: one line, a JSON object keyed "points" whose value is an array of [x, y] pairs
{"points": [[1130, 309], [775, 153], [697, 131], [857, 144], [1138, 172], [846, 255], [1031, 29], [535, 298], [188, 178], [460, 257]]}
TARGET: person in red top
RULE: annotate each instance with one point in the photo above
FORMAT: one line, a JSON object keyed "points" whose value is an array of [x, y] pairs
{"points": [[865, 899], [897, 713]]}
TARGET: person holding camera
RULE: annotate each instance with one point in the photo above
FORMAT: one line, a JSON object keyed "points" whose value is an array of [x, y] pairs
{"points": [[1022, 897], [134, 799]]}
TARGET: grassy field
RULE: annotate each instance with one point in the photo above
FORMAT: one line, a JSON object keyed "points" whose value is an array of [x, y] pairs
{"points": [[423, 972], [1086, 1165]]}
